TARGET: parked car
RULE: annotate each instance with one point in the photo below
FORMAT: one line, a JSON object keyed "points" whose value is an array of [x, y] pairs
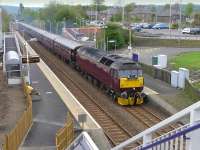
{"points": [[191, 31], [186, 31], [147, 26], [161, 26], [136, 28], [97, 23]]}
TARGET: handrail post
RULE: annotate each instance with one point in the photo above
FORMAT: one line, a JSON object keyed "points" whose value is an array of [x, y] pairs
{"points": [[147, 138], [194, 136]]}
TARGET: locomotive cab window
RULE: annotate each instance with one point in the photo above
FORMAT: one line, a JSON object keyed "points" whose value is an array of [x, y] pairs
{"points": [[130, 73], [106, 61]]}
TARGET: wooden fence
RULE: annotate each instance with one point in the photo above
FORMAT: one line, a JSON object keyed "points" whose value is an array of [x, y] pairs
{"points": [[15, 137], [65, 135]]}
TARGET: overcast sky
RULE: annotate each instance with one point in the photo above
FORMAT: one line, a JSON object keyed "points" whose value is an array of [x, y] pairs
{"points": [[107, 2]]}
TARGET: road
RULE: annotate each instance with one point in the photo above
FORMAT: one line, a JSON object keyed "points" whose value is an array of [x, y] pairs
{"points": [[146, 53], [167, 34]]}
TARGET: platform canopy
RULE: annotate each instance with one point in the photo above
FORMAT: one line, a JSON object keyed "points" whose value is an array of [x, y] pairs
{"points": [[12, 58]]}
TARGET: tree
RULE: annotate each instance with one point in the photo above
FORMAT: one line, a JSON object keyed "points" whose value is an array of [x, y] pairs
{"points": [[56, 12], [189, 9], [167, 6], [6, 20], [115, 32], [128, 9], [154, 13], [97, 5], [196, 19], [30, 14], [117, 17]]}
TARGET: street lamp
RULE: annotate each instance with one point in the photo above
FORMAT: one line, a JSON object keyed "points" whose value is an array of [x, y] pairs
{"points": [[130, 40], [104, 27], [170, 18], [180, 25]]}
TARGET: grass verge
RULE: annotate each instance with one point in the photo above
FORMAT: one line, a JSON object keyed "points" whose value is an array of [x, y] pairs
{"points": [[189, 60]]}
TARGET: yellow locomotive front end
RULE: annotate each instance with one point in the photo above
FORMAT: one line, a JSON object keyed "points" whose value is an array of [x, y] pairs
{"points": [[131, 84]]}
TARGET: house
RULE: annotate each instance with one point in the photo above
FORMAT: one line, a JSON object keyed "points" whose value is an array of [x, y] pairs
{"points": [[153, 14], [103, 15]]}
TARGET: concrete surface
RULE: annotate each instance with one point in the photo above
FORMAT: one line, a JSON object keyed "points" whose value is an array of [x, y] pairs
{"points": [[49, 113], [75, 107]]}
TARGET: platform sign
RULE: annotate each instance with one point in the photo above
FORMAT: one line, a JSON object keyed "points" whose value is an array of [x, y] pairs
{"points": [[82, 118], [32, 59]]}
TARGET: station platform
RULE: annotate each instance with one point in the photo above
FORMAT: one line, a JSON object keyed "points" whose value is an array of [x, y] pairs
{"points": [[49, 113], [50, 109]]}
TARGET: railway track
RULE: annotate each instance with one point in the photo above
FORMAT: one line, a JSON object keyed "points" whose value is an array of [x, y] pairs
{"points": [[149, 118], [113, 130]]}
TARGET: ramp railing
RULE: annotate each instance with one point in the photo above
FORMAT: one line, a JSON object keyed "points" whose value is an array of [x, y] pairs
{"points": [[178, 139], [187, 137]]}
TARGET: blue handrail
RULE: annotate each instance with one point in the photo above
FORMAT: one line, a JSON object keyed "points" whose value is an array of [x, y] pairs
{"points": [[173, 136]]}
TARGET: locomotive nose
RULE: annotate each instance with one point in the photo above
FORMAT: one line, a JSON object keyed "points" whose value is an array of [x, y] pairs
{"points": [[131, 83]]}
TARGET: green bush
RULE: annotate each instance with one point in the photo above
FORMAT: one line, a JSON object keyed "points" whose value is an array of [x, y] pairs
{"points": [[6, 20], [116, 33], [174, 26]]}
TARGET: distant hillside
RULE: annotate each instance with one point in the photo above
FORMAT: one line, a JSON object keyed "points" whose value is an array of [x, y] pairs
{"points": [[197, 8], [11, 9], [14, 9]]}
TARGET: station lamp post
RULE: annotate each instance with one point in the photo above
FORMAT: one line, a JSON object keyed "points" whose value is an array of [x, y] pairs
{"points": [[113, 41], [130, 40], [180, 23], [104, 27], [170, 18], [27, 58]]}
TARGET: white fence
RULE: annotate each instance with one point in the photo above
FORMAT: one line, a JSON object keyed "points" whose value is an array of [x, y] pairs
{"points": [[184, 138]]}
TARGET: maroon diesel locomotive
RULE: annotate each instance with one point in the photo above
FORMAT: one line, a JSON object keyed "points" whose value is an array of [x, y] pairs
{"points": [[121, 76]]}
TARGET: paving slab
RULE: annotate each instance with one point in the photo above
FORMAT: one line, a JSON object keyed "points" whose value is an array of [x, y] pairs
{"points": [[49, 112]]}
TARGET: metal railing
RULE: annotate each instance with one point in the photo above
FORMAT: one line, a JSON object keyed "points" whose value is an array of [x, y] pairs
{"points": [[178, 135], [177, 139]]}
